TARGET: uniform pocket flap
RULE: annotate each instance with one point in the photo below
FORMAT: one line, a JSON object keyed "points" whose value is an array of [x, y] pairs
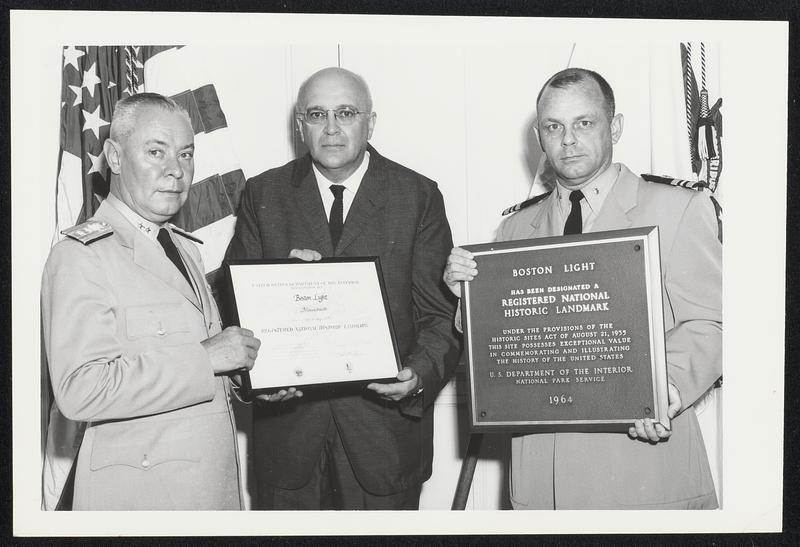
{"points": [[155, 320], [145, 451]]}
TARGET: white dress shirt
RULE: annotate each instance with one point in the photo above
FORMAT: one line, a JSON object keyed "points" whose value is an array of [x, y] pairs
{"points": [[350, 184]]}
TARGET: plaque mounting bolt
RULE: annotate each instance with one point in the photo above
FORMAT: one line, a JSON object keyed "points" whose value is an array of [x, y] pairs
{"points": [[483, 413], [637, 247], [647, 410]]}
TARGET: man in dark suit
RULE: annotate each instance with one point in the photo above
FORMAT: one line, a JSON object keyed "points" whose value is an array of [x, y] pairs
{"points": [[369, 448], [651, 467]]}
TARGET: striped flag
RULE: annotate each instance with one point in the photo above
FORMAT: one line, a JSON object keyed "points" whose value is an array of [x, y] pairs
{"points": [[209, 212], [94, 78]]}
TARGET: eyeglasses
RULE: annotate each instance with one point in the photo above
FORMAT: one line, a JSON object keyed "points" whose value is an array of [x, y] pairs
{"points": [[318, 116]]}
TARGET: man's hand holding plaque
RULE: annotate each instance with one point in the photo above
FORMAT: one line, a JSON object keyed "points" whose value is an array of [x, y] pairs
{"points": [[646, 430], [460, 267]]}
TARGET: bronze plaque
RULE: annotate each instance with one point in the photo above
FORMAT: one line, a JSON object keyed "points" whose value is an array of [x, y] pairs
{"points": [[566, 333]]}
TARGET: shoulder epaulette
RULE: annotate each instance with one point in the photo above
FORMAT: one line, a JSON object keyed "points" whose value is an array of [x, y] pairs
{"points": [[672, 181], [187, 235], [89, 231], [527, 203]]}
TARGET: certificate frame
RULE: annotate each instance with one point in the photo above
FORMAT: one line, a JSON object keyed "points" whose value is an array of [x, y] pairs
{"points": [[514, 379], [320, 324]]}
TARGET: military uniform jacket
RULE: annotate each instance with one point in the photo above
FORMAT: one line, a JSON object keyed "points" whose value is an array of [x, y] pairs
{"points": [[610, 470], [122, 331], [397, 215]]}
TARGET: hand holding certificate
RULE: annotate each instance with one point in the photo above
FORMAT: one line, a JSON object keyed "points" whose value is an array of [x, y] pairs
{"points": [[320, 322]]}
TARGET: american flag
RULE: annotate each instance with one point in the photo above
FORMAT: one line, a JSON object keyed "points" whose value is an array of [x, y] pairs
{"points": [[94, 78]]}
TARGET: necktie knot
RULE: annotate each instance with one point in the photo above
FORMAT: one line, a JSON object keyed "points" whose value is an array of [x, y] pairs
{"points": [[164, 239], [337, 190], [575, 196], [574, 224]]}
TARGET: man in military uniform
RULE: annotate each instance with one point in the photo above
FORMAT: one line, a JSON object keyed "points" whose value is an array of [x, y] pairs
{"points": [[577, 127], [133, 337]]}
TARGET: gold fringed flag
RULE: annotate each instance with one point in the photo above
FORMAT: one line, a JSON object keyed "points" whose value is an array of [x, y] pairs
{"points": [[704, 124]]}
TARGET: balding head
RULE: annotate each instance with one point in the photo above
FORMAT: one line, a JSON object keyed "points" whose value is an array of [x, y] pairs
{"points": [[330, 76], [335, 119], [578, 76]]}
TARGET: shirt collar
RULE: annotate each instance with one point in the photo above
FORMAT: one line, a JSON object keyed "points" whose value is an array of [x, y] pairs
{"points": [[351, 183], [596, 191], [147, 228]]}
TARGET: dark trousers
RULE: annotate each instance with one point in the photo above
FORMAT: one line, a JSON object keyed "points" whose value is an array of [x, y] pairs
{"points": [[333, 485]]}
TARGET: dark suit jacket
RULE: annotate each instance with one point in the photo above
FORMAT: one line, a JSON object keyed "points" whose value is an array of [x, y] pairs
{"points": [[397, 215]]}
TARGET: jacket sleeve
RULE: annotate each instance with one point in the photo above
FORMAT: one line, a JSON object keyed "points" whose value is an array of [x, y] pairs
{"points": [[246, 241], [693, 278], [437, 347], [93, 376]]}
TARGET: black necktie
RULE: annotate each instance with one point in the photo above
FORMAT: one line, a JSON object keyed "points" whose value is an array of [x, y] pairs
{"points": [[337, 213], [172, 253], [574, 224]]}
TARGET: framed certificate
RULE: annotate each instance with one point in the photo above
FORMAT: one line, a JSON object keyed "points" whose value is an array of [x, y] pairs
{"points": [[566, 333], [320, 323]]}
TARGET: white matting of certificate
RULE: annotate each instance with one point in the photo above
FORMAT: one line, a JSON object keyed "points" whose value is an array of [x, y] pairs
{"points": [[318, 322]]}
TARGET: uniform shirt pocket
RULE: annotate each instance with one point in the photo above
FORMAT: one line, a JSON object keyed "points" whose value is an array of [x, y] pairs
{"points": [[155, 320]]}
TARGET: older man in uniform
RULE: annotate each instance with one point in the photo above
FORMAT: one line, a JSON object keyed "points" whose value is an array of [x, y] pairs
{"points": [[651, 467], [133, 336]]}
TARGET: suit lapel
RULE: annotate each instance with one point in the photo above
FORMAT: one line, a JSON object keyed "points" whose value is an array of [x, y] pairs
{"points": [[147, 254], [614, 215], [370, 199], [309, 203]]}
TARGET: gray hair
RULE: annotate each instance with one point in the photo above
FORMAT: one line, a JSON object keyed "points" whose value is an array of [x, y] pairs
{"points": [[123, 122], [360, 81]]}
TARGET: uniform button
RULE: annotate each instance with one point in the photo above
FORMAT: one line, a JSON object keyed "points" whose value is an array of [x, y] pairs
{"points": [[145, 462]]}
